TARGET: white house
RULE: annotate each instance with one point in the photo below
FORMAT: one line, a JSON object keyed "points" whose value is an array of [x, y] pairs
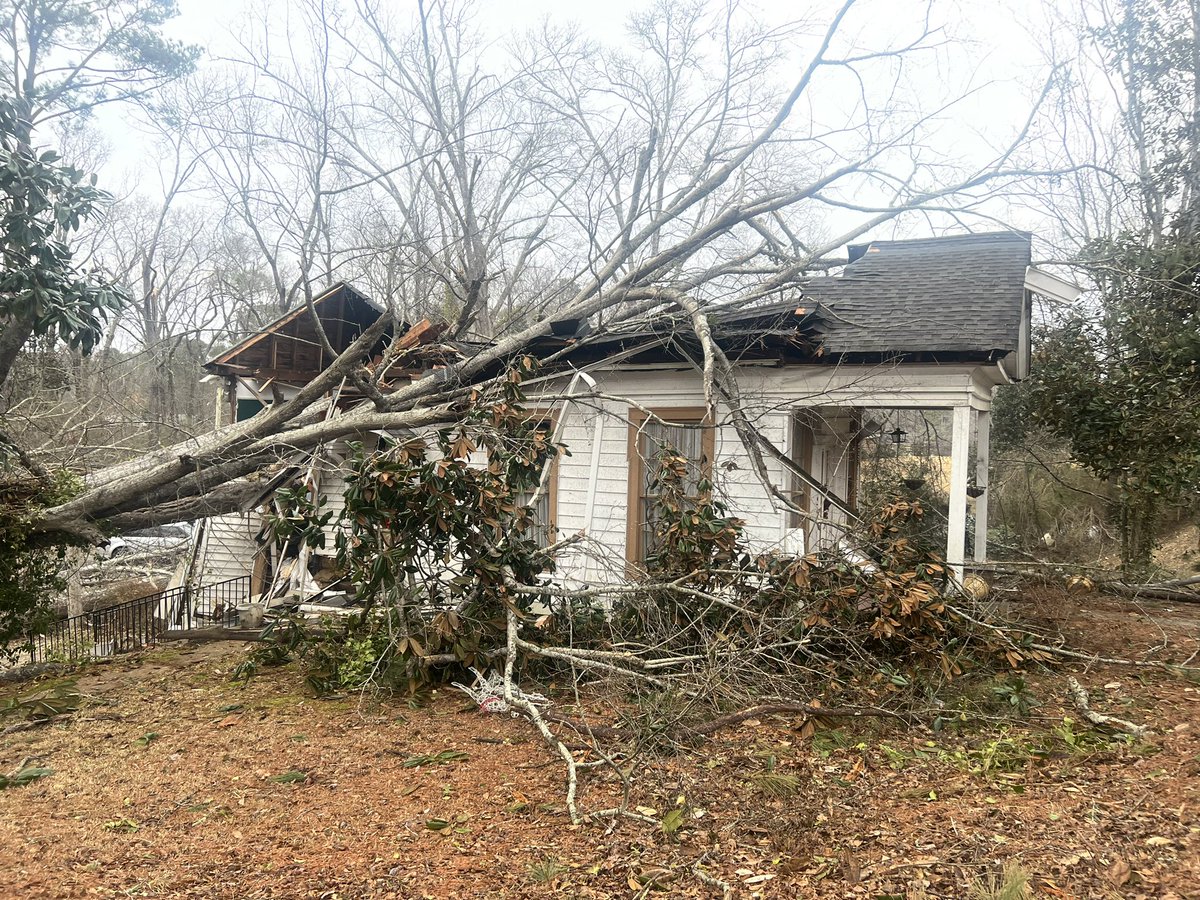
{"points": [[935, 323]]}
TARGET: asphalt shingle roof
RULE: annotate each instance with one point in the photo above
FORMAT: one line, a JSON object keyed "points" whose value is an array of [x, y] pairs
{"points": [[934, 295]]}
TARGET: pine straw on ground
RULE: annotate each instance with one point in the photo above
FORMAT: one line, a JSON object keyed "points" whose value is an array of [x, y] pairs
{"points": [[881, 811]]}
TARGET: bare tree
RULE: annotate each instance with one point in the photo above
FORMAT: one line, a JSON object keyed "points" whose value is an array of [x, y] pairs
{"points": [[608, 184]]}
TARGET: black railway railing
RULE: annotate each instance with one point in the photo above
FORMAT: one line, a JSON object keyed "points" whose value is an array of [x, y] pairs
{"points": [[139, 623]]}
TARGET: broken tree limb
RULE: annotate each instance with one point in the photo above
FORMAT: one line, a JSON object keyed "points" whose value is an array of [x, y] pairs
{"points": [[34, 723], [587, 662], [711, 880], [800, 709], [705, 729], [1153, 592], [517, 701], [1164, 590], [1079, 696], [1178, 582]]}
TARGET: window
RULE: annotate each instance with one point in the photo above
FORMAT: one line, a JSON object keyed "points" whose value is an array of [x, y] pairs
{"points": [[247, 407], [544, 530], [800, 451], [683, 431]]}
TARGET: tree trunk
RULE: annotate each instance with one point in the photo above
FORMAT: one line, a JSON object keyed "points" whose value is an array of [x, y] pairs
{"points": [[13, 336], [1138, 518]]}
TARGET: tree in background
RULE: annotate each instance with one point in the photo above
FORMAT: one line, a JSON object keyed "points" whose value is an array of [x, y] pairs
{"points": [[1121, 386], [43, 291], [1117, 380], [61, 60], [64, 58]]}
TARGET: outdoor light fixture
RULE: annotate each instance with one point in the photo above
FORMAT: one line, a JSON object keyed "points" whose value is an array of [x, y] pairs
{"points": [[898, 435]]}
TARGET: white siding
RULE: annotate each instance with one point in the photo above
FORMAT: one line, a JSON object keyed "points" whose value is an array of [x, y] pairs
{"points": [[734, 477], [228, 549], [770, 396]]}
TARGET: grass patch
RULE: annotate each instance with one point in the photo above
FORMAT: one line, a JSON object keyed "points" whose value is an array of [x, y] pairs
{"points": [[1012, 884], [547, 870], [1004, 757]]}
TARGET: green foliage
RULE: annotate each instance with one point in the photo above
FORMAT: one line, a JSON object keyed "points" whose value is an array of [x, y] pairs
{"points": [[30, 573], [546, 870], [1116, 381], [1006, 758], [1122, 388], [56, 700], [41, 203], [29, 578], [692, 533], [427, 530], [1013, 694], [433, 543], [672, 821], [117, 46], [416, 511], [295, 776], [277, 644], [1150, 47], [24, 777], [42, 293], [297, 519], [441, 758], [1012, 884], [890, 609], [773, 784], [375, 650]]}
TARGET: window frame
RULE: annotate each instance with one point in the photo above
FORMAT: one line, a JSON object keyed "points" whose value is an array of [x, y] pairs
{"points": [[802, 437], [550, 418], [635, 515]]}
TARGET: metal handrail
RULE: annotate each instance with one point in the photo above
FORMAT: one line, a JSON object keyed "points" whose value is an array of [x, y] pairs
{"points": [[138, 623]]}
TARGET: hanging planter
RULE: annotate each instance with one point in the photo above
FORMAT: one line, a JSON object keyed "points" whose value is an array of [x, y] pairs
{"points": [[975, 491], [914, 483]]}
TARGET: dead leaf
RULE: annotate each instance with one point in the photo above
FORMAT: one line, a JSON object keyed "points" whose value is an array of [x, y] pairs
{"points": [[1119, 872], [850, 867]]}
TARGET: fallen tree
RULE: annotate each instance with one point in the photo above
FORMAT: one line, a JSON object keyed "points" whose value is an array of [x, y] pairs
{"points": [[684, 190], [697, 211]]}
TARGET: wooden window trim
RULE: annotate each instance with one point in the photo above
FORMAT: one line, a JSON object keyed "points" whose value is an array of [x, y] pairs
{"points": [[802, 425], [549, 416], [634, 515], [853, 446]]}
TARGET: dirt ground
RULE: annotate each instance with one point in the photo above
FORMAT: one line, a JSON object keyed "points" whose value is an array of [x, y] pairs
{"points": [[167, 785]]}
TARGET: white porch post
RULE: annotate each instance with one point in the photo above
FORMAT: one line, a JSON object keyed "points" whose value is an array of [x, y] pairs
{"points": [[983, 435], [959, 446]]}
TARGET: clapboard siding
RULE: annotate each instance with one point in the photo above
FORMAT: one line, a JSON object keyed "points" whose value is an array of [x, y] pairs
{"points": [[734, 477], [228, 550], [735, 481]]}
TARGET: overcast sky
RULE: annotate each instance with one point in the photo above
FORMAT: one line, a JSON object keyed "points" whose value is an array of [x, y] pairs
{"points": [[998, 48]]}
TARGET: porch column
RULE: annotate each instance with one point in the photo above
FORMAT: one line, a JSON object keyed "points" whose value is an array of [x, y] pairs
{"points": [[983, 435], [959, 446]]}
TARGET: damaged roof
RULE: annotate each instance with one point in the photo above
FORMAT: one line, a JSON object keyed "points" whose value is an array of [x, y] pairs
{"points": [[931, 299], [961, 294], [290, 344], [960, 297]]}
